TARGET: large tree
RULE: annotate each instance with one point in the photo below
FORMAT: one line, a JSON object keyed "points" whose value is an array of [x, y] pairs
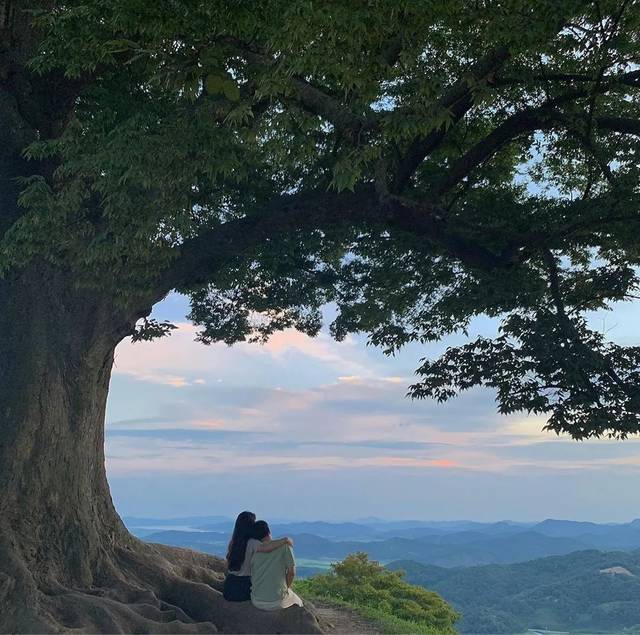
{"points": [[416, 163]]}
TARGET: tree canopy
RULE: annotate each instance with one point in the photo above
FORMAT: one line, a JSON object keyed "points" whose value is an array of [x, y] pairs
{"points": [[416, 163]]}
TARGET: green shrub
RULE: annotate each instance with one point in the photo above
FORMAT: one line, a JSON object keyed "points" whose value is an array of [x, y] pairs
{"points": [[381, 595]]}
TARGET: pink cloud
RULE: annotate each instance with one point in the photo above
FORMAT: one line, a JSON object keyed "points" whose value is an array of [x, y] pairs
{"points": [[320, 347], [210, 424], [173, 359], [194, 458]]}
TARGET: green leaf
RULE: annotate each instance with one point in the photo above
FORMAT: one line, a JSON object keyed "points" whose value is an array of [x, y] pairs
{"points": [[120, 45], [231, 90], [214, 84]]}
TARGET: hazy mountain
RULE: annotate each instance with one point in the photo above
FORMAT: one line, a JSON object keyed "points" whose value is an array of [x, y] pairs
{"points": [[342, 531], [207, 541], [570, 528], [463, 549], [448, 544], [587, 590], [610, 536]]}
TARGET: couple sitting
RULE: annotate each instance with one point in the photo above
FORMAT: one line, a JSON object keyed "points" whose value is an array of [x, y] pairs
{"points": [[259, 568]]}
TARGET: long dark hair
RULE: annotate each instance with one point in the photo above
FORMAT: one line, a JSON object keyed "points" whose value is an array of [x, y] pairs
{"points": [[242, 531]]}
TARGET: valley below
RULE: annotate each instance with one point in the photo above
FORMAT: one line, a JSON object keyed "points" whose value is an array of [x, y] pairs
{"points": [[504, 577]]}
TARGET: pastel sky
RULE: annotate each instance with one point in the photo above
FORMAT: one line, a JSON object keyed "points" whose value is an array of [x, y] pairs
{"points": [[307, 428]]}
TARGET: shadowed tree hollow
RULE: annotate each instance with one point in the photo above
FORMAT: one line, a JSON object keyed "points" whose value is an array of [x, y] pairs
{"points": [[416, 164]]}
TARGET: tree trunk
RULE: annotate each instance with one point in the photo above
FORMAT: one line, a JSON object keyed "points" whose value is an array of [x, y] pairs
{"points": [[57, 520], [66, 560], [56, 352], [59, 531]]}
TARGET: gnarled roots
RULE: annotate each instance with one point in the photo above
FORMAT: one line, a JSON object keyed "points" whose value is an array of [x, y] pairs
{"points": [[140, 588]]}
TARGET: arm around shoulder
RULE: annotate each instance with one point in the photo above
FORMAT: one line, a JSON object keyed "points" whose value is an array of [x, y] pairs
{"points": [[267, 547]]}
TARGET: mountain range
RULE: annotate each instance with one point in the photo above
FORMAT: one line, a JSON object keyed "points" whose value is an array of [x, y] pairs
{"points": [[445, 544]]}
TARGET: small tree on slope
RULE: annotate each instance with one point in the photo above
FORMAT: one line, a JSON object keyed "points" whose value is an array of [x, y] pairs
{"points": [[383, 595], [418, 164]]}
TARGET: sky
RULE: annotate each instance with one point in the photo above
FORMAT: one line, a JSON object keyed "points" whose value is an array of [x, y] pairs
{"points": [[312, 429]]}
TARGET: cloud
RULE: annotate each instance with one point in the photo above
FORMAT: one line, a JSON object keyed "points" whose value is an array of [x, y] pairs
{"points": [[180, 435], [589, 453], [179, 361], [210, 424], [234, 410], [342, 355], [190, 455], [348, 424]]}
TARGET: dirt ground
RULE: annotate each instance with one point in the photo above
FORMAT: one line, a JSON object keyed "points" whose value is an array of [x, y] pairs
{"points": [[343, 621]]}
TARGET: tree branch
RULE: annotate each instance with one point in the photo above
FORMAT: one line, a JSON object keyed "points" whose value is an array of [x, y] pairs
{"points": [[581, 223], [623, 125], [431, 223], [458, 99], [200, 257], [631, 78], [526, 121], [523, 122], [318, 102], [310, 96]]}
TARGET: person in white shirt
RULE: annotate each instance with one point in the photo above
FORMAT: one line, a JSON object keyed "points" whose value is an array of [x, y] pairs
{"points": [[272, 573]]}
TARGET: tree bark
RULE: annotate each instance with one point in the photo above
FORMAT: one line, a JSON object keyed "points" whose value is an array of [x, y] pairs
{"points": [[66, 559], [56, 352], [57, 520]]}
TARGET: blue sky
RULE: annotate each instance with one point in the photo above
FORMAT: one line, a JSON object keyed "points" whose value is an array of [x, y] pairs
{"points": [[314, 429]]}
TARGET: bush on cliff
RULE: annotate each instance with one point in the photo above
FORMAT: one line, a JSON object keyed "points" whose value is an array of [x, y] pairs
{"points": [[381, 595]]}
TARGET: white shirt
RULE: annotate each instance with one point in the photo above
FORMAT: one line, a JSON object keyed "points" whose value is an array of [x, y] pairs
{"points": [[252, 547]]}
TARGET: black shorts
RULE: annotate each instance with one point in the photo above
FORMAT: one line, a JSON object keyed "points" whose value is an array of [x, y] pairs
{"points": [[237, 588]]}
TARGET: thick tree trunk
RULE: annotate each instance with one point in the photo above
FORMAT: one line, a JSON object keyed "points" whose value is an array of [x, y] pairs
{"points": [[56, 352], [66, 560], [57, 520]]}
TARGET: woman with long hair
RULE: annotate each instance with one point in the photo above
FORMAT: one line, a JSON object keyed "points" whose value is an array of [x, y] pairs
{"points": [[242, 546]]}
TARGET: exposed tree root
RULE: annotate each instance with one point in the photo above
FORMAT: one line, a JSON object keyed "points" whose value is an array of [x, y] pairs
{"points": [[138, 589]]}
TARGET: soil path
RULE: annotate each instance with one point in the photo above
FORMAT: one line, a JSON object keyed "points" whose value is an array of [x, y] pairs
{"points": [[342, 621]]}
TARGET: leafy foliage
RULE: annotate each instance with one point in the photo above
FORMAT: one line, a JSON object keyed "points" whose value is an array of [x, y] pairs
{"points": [[150, 329], [382, 594], [416, 164], [540, 364]]}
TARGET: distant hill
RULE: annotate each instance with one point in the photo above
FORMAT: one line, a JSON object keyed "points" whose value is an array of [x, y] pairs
{"points": [[586, 590], [342, 531], [460, 549], [607, 536], [208, 541], [446, 544]]}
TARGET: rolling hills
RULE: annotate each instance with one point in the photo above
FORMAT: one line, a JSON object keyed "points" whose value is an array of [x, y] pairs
{"points": [[592, 590], [459, 544]]}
